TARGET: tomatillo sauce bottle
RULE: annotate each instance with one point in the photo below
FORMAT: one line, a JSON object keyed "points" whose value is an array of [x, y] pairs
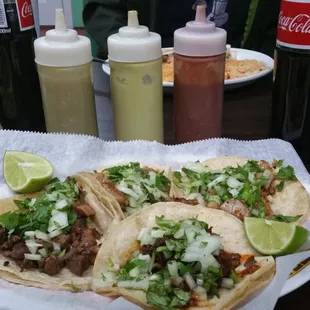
{"points": [[135, 59]]}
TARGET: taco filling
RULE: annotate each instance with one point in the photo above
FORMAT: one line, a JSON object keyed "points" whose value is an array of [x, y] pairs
{"points": [[243, 191], [179, 264], [135, 187], [50, 232]]}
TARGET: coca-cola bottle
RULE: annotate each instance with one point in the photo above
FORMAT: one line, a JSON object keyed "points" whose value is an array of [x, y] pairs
{"points": [[20, 95], [291, 94]]}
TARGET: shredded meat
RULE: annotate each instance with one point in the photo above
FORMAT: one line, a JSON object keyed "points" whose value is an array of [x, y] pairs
{"points": [[64, 241], [183, 200], [83, 210], [15, 248], [264, 165], [47, 245], [82, 251], [251, 260], [3, 235], [236, 208], [118, 195], [160, 259], [228, 262], [27, 264], [249, 270], [51, 266]]}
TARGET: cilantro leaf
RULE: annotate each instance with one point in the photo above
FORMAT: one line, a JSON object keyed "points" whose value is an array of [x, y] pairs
{"points": [[162, 182], [287, 219], [280, 186], [9, 220], [118, 173], [279, 163], [286, 173]]}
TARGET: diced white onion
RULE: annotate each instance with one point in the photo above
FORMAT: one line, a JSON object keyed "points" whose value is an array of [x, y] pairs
{"points": [[227, 283], [43, 252], [219, 179], [255, 212], [199, 282], [157, 233], [76, 188], [134, 272], [179, 234], [140, 285], [32, 249], [41, 235], [190, 234], [61, 204], [240, 268], [201, 293], [209, 261], [177, 280], [173, 268], [146, 257], [32, 242], [32, 202], [33, 256], [233, 182], [55, 233], [61, 218], [152, 177], [252, 177], [123, 188], [56, 247], [190, 281], [234, 192], [51, 197], [30, 234], [156, 277]]}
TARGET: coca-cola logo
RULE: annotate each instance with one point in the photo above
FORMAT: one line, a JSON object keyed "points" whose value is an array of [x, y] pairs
{"points": [[294, 24], [299, 23], [25, 14], [26, 10]]}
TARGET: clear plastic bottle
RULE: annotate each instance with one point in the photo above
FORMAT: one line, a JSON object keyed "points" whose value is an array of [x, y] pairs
{"points": [[65, 71], [135, 60], [199, 69]]}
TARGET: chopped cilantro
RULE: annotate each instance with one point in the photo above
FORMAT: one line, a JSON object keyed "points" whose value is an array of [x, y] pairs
{"points": [[280, 186], [279, 163], [118, 173], [287, 219], [286, 173], [75, 289]]}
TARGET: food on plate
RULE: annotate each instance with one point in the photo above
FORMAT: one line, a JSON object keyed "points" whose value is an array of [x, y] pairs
{"points": [[50, 239], [234, 68], [243, 188], [172, 256], [127, 188], [26, 172], [238, 68]]}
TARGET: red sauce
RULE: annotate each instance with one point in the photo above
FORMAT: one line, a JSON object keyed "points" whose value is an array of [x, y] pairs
{"points": [[198, 97]]}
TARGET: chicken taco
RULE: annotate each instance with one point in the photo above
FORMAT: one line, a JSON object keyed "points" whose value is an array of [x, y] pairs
{"points": [[243, 187], [127, 188], [172, 256], [51, 239]]}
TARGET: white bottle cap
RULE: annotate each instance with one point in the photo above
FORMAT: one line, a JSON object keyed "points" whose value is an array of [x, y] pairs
{"points": [[134, 43], [62, 47]]}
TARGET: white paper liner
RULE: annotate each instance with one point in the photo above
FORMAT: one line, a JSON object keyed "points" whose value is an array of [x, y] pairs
{"points": [[72, 153]]}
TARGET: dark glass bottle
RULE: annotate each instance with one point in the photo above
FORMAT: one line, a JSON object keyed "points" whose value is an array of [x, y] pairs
{"points": [[20, 95]]}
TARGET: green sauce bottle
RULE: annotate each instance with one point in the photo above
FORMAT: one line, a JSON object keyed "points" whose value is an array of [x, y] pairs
{"points": [[135, 59]]}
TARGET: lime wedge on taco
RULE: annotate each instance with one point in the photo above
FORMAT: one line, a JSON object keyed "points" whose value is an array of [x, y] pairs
{"points": [[274, 238], [26, 172]]}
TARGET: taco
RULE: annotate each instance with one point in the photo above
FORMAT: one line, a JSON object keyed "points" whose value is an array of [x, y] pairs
{"points": [[127, 188], [172, 256], [243, 187], [51, 239]]}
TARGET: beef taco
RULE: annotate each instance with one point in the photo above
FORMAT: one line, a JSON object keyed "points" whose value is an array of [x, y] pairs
{"points": [[172, 256], [243, 187], [51, 239], [127, 188]]}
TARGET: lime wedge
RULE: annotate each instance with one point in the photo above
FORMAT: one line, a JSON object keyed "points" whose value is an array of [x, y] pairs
{"points": [[274, 238], [25, 172]]}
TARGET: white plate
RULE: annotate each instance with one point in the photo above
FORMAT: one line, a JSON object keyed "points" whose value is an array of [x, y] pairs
{"points": [[229, 84]]}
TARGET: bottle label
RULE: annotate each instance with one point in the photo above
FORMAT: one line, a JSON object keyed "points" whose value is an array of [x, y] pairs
{"points": [[294, 24], [25, 14], [15, 16]]}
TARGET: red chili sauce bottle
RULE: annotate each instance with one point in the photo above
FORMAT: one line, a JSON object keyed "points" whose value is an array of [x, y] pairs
{"points": [[199, 68]]}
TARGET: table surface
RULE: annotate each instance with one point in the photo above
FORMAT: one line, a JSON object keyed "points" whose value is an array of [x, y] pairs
{"points": [[246, 116]]}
